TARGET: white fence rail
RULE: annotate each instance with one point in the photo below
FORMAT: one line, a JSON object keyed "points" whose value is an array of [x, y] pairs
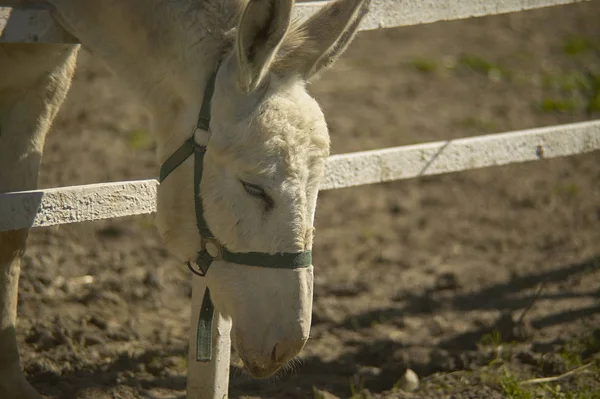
{"points": [[76, 204], [36, 25]]}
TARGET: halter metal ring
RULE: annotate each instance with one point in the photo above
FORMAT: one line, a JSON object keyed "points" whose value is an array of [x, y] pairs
{"points": [[210, 245]]}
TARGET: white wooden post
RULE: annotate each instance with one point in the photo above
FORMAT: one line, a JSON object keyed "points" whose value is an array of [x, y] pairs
{"points": [[208, 380]]}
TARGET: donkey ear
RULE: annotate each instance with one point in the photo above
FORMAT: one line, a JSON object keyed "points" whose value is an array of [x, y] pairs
{"points": [[262, 27], [319, 41]]}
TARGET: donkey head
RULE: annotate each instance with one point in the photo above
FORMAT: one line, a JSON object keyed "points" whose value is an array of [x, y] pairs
{"points": [[263, 166]]}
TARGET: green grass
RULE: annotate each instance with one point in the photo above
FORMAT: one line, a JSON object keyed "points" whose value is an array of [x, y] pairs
{"points": [[576, 45], [592, 86], [513, 389], [493, 338], [424, 65], [140, 139], [357, 389], [573, 90], [573, 351], [482, 66], [551, 104], [566, 81], [571, 190]]}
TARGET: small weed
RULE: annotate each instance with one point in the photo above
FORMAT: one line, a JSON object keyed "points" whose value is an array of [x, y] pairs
{"points": [[357, 389], [513, 390], [179, 363], [493, 338], [571, 359], [424, 65], [501, 349], [140, 139], [155, 365], [591, 86], [575, 352], [480, 65], [571, 190], [572, 91], [576, 45], [567, 81], [558, 105]]}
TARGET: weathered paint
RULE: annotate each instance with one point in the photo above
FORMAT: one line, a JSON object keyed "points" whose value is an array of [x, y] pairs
{"points": [[407, 162], [110, 200], [38, 208], [394, 13]]}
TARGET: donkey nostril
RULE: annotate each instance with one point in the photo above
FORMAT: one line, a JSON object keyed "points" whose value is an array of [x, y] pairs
{"points": [[274, 354]]}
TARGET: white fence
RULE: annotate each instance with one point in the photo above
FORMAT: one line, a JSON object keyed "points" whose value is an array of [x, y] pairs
{"points": [[63, 205]]}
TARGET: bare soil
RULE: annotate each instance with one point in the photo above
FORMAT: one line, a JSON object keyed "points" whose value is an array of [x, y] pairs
{"points": [[474, 280]]}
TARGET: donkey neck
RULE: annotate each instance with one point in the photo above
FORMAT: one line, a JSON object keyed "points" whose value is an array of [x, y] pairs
{"points": [[164, 50]]}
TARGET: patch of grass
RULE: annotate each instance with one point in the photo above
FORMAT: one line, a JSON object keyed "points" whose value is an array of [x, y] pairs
{"points": [[424, 65], [567, 81], [591, 85], [140, 139], [571, 190], [576, 45], [572, 91], [480, 65], [179, 363], [550, 104], [357, 389], [571, 359], [575, 352], [493, 338], [155, 365], [513, 389], [447, 382]]}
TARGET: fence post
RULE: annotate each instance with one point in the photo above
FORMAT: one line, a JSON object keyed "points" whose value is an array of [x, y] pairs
{"points": [[208, 380]]}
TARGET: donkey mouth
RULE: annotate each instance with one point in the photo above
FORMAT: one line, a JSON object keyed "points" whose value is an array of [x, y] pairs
{"points": [[260, 372]]}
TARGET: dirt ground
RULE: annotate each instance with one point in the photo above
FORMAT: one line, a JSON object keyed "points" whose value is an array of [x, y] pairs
{"points": [[475, 280]]}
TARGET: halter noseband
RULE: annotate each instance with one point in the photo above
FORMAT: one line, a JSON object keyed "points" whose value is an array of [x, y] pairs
{"points": [[211, 248]]}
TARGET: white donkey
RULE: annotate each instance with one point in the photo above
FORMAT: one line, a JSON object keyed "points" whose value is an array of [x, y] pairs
{"points": [[259, 161]]}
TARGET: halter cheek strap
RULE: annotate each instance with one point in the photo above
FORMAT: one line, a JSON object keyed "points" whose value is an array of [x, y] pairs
{"points": [[210, 247]]}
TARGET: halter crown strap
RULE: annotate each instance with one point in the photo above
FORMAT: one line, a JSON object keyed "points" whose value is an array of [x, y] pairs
{"points": [[286, 260]]}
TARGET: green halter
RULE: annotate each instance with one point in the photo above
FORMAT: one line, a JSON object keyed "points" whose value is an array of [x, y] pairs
{"points": [[211, 248]]}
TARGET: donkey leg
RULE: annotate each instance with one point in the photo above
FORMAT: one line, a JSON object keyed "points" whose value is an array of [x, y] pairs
{"points": [[34, 80]]}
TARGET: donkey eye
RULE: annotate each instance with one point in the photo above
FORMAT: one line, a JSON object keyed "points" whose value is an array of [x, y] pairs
{"points": [[254, 190], [258, 192]]}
